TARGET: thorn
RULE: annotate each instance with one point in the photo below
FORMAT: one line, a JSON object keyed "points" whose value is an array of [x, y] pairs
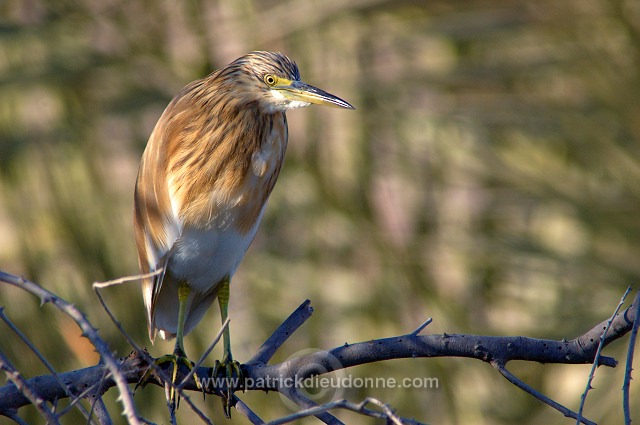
{"points": [[422, 326]]}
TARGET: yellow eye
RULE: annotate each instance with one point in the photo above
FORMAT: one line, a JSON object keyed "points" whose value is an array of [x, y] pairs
{"points": [[270, 79]]}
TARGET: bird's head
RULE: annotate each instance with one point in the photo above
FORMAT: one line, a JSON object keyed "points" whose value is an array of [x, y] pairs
{"points": [[273, 80]]}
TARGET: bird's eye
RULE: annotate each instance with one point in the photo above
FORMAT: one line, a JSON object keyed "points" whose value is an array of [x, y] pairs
{"points": [[270, 79]]}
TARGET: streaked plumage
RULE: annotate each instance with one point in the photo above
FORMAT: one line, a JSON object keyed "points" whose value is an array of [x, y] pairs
{"points": [[205, 177]]}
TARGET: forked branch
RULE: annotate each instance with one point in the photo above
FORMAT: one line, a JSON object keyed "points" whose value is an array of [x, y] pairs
{"points": [[260, 375]]}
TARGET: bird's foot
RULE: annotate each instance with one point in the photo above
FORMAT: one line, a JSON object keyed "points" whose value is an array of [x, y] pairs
{"points": [[228, 373], [177, 359]]}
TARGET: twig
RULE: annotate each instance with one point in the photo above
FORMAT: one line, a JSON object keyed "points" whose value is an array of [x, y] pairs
{"points": [[25, 388], [387, 412], [100, 409], [601, 344], [284, 331], [500, 366], [298, 398], [126, 279], [76, 399], [93, 389], [14, 417], [187, 379], [150, 361], [88, 331], [629, 365], [422, 326], [204, 356], [42, 359], [100, 285], [242, 408], [195, 409], [172, 411]]}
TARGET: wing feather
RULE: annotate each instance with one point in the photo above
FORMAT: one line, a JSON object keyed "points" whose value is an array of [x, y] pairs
{"points": [[157, 224]]}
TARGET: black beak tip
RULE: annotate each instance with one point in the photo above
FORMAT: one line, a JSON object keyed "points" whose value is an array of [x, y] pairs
{"points": [[344, 104]]}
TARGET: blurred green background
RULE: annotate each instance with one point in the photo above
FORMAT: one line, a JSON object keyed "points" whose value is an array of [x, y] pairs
{"points": [[489, 178]]}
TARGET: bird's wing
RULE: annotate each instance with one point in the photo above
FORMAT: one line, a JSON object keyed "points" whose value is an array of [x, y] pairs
{"points": [[156, 222]]}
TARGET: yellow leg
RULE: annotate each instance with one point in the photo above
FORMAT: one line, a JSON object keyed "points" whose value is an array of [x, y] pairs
{"points": [[223, 300], [179, 356], [227, 365], [183, 295]]}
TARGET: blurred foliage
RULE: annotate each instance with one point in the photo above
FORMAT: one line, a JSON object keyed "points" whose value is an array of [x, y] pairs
{"points": [[489, 179]]}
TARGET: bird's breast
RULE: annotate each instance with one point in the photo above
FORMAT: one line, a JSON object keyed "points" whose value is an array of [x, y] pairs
{"points": [[221, 220], [231, 189]]}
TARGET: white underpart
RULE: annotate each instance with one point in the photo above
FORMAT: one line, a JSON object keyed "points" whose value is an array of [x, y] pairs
{"points": [[205, 257], [202, 257]]}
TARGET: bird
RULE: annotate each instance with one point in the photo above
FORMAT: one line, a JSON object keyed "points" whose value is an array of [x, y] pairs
{"points": [[205, 176]]}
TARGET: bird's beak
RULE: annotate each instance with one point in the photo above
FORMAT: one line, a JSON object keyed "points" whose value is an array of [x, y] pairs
{"points": [[302, 92]]}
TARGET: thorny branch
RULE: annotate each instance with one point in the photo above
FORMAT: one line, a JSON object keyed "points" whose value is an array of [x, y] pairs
{"points": [[628, 368], [497, 351], [89, 332], [583, 398]]}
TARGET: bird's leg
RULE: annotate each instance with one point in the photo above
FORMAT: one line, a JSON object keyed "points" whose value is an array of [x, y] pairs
{"points": [[223, 300], [227, 366], [179, 356], [183, 295]]}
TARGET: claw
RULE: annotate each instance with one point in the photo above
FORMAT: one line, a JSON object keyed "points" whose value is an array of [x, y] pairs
{"points": [[176, 359], [228, 368]]}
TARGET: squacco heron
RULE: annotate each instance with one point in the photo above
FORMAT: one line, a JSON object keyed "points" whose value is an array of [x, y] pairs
{"points": [[205, 177]]}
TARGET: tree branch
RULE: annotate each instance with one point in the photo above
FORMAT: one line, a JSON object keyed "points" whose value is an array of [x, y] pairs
{"points": [[500, 367], [286, 377], [387, 413], [88, 331], [42, 359], [583, 398], [629, 365], [26, 387], [284, 331]]}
